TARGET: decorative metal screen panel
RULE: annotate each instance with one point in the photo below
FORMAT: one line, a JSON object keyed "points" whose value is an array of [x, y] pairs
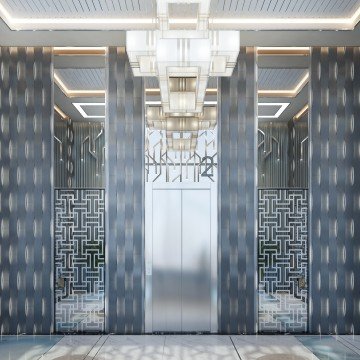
{"points": [[165, 165], [283, 259], [79, 260]]}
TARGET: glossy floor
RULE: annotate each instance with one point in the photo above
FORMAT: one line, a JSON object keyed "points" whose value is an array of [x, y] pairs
{"points": [[179, 347]]}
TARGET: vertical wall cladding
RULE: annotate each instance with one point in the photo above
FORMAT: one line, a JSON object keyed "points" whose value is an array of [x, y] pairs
{"points": [[335, 190], [26, 138], [79, 159], [237, 197], [124, 214]]}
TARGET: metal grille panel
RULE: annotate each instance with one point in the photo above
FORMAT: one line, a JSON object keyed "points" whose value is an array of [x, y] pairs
{"points": [[79, 260], [283, 259]]}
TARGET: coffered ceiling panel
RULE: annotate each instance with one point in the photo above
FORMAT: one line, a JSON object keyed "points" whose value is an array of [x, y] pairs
{"points": [[82, 79], [282, 8], [80, 8], [280, 79]]}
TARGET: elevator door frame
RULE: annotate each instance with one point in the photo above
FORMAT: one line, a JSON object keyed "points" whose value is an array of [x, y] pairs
{"points": [[149, 187]]}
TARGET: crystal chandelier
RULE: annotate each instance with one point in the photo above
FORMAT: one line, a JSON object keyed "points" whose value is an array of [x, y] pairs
{"points": [[182, 58]]}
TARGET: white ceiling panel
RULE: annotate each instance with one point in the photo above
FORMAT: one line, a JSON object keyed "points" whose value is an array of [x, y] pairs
{"points": [[80, 8], [83, 79], [279, 79], [284, 8]]}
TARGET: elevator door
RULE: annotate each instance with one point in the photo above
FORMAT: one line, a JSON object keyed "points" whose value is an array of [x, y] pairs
{"points": [[181, 260]]}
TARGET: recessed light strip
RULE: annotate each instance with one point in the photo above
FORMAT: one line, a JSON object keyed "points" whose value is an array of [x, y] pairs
{"points": [[283, 51], [301, 112], [286, 93], [79, 107], [60, 112], [76, 93], [81, 50], [282, 107]]}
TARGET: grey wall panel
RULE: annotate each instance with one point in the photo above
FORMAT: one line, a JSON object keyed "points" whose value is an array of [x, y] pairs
{"points": [[334, 134], [237, 196], [26, 238], [124, 209]]}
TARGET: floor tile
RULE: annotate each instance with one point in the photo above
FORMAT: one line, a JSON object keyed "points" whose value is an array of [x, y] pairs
{"points": [[199, 347], [328, 348], [94, 351], [73, 347], [271, 347], [26, 347], [351, 341], [148, 347]]}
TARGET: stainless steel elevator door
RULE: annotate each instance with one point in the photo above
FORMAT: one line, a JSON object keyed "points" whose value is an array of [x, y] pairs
{"points": [[181, 269]]}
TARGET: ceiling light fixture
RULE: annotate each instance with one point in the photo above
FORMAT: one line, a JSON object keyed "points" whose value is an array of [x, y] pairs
{"points": [[79, 107], [282, 107], [76, 93], [183, 58]]}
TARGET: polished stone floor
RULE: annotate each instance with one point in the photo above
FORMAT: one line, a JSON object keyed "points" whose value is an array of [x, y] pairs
{"points": [[179, 347]]}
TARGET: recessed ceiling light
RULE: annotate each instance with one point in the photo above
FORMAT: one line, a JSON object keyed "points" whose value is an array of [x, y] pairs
{"points": [[282, 107], [79, 107]]}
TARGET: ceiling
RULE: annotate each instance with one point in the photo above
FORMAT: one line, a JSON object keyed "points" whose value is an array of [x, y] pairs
{"points": [[78, 22], [147, 8], [88, 73], [93, 79]]}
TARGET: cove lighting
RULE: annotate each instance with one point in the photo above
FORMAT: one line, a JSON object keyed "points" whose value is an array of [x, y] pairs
{"points": [[60, 112], [79, 50], [76, 93], [286, 93], [301, 112]]}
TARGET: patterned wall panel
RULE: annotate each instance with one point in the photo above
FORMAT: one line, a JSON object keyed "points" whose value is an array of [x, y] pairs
{"points": [[335, 190], [283, 259], [299, 153], [124, 175], [79, 260], [79, 154], [273, 154], [26, 140], [237, 196], [283, 154]]}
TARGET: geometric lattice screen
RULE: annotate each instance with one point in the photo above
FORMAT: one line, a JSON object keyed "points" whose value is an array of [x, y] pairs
{"points": [[79, 260], [283, 259]]}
